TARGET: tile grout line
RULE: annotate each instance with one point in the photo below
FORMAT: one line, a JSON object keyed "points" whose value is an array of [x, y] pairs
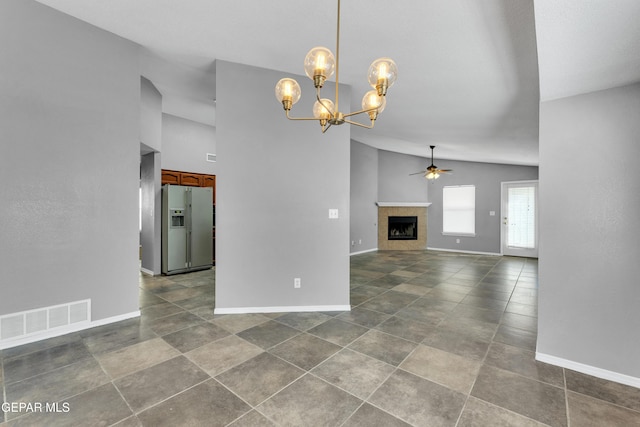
{"points": [[167, 398]]}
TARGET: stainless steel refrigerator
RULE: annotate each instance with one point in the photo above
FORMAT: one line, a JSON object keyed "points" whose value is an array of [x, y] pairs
{"points": [[187, 227]]}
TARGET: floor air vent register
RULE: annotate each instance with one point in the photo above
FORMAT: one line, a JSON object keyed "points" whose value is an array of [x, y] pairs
{"points": [[20, 325]]}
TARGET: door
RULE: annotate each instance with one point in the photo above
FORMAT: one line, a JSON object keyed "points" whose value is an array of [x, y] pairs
{"points": [[200, 226], [519, 231]]}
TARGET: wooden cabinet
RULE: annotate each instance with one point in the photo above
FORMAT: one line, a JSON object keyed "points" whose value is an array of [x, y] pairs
{"points": [[170, 177], [192, 179], [208, 180], [189, 178]]}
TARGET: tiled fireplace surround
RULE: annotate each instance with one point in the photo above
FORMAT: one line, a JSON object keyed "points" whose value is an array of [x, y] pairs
{"points": [[387, 209]]}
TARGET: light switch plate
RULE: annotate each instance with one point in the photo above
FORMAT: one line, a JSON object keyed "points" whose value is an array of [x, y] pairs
{"points": [[333, 213]]}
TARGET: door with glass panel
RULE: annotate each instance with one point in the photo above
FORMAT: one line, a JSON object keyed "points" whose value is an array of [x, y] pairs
{"points": [[520, 218]]}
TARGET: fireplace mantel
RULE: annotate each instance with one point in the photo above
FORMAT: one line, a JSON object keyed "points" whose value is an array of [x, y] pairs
{"points": [[403, 204]]}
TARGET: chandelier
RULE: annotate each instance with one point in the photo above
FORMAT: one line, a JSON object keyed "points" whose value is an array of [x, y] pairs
{"points": [[319, 65]]}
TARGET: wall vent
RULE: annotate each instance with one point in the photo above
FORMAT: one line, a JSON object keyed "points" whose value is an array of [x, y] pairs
{"points": [[211, 157], [42, 320]]}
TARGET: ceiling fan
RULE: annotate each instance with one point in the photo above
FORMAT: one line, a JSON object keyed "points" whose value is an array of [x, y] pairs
{"points": [[432, 172]]}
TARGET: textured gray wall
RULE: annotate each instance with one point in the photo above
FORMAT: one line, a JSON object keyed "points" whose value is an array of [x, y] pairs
{"points": [[69, 161], [185, 145], [487, 177], [364, 195], [277, 179], [590, 199]]}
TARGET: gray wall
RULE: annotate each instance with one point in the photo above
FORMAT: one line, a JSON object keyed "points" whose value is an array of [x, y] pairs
{"points": [[487, 178], [364, 195], [589, 296], [395, 184], [277, 181], [185, 145], [69, 159]]}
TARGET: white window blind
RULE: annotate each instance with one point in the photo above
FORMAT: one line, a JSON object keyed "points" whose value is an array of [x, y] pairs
{"points": [[522, 218], [459, 210]]}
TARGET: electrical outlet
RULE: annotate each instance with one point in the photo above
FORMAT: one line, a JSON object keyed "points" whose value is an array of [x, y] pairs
{"points": [[360, 241], [296, 282], [457, 240], [353, 243], [333, 213]]}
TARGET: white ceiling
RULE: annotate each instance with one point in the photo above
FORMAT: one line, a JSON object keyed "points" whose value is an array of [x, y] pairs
{"points": [[468, 70]]}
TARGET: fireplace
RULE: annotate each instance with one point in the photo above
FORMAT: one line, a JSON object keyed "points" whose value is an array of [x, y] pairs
{"points": [[403, 228]]}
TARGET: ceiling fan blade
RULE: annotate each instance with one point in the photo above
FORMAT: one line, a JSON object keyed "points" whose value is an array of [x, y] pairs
{"points": [[421, 172], [445, 170]]}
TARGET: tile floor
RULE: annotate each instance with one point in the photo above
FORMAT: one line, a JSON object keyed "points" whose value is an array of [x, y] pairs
{"points": [[433, 339]]}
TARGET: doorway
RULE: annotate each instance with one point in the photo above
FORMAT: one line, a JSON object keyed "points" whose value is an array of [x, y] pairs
{"points": [[519, 229]]}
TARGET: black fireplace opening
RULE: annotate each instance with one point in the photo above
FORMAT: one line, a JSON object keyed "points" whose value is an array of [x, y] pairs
{"points": [[403, 228]]}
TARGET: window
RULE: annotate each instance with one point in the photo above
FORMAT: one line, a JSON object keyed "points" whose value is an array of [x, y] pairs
{"points": [[459, 210]]}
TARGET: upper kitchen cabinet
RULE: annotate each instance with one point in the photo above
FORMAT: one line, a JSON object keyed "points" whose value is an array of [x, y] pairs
{"points": [[192, 179], [170, 177]]}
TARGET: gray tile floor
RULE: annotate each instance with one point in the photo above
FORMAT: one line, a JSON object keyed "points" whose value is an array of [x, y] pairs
{"points": [[433, 339]]}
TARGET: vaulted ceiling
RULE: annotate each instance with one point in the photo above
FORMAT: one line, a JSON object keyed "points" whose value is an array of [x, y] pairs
{"points": [[471, 73]]}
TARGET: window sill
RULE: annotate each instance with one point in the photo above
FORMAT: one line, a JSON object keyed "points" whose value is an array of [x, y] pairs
{"points": [[460, 234]]}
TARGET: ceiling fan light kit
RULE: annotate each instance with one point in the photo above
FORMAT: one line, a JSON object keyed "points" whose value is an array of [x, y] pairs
{"points": [[432, 172], [319, 65]]}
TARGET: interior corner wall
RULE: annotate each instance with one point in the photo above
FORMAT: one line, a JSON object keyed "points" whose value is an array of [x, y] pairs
{"points": [[487, 178], [588, 316], [277, 180], [364, 195], [185, 145], [69, 159]]}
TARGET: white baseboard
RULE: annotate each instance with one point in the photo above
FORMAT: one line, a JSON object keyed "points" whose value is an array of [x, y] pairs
{"points": [[285, 309], [114, 319], [363, 252], [589, 370], [438, 249], [52, 333], [465, 252], [147, 271]]}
